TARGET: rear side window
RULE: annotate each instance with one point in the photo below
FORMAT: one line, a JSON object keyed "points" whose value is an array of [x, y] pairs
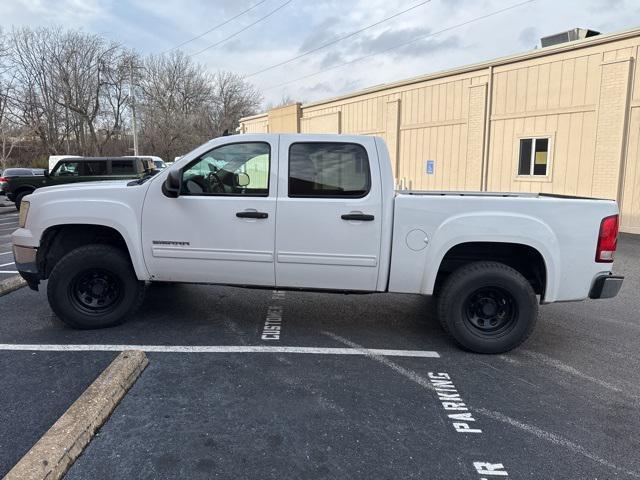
{"points": [[324, 169], [122, 167], [94, 169]]}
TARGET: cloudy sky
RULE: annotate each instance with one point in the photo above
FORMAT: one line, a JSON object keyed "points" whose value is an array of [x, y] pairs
{"points": [[436, 35]]}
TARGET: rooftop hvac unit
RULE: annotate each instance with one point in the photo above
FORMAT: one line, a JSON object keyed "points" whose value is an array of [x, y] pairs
{"points": [[568, 36]]}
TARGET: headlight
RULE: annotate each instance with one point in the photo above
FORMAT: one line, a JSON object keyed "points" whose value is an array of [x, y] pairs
{"points": [[24, 210]]}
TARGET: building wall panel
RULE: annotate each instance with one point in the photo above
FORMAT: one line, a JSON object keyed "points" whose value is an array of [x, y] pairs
{"points": [[630, 208]]}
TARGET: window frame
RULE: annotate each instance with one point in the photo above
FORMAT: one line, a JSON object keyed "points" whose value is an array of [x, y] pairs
{"points": [[200, 157], [369, 182], [58, 167], [530, 177]]}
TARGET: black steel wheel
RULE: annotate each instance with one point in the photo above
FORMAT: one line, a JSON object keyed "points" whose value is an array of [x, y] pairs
{"points": [[487, 307], [490, 311], [96, 291]]}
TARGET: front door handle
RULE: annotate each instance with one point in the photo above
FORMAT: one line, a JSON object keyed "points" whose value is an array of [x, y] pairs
{"points": [[260, 215], [362, 217]]}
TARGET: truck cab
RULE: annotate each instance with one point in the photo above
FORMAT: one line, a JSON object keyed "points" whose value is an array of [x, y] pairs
{"points": [[76, 169], [308, 213]]}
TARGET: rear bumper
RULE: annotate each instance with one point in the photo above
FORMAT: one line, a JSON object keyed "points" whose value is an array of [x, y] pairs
{"points": [[27, 265], [606, 286]]}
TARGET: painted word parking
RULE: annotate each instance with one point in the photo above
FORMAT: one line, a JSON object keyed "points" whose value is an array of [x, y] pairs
{"points": [[452, 402]]}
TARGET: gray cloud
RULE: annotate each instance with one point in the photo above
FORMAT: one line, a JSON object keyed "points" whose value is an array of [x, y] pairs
{"points": [[529, 37], [322, 33], [419, 46]]}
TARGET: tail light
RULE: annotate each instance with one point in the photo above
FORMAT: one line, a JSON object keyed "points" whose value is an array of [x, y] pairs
{"points": [[607, 239], [3, 180]]}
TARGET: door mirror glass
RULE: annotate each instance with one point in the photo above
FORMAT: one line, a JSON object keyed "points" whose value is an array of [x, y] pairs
{"points": [[171, 186], [242, 179], [46, 172]]}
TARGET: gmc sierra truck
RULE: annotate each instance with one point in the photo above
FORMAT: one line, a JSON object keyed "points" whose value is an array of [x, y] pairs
{"points": [[315, 212]]}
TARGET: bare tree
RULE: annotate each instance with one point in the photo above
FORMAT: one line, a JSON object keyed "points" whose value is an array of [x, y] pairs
{"points": [[66, 91], [8, 137], [233, 98], [284, 101]]}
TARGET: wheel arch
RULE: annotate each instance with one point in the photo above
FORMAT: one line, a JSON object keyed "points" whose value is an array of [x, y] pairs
{"points": [[28, 189], [59, 239], [499, 230], [523, 258]]}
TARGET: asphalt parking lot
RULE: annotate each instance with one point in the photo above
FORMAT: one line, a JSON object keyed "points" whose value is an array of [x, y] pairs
{"points": [[565, 405], [8, 223]]}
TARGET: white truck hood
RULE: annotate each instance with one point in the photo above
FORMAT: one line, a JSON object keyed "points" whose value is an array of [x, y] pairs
{"points": [[86, 186]]}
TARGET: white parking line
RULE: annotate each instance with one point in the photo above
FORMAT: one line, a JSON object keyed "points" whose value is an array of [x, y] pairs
{"points": [[8, 271], [5, 253], [6, 264], [217, 349]]}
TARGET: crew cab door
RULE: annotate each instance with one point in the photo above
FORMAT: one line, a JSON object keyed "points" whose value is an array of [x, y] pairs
{"points": [[329, 221], [221, 228]]}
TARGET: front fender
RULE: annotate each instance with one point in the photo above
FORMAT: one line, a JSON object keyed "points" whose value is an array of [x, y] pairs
{"points": [[115, 214], [499, 227]]}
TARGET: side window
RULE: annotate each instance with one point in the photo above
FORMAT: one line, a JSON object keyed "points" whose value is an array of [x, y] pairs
{"points": [[67, 169], [122, 167], [94, 169], [533, 159], [234, 169], [322, 169]]}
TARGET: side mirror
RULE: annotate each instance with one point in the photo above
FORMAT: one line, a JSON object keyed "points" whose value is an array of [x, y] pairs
{"points": [[241, 179], [46, 172], [173, 184]]}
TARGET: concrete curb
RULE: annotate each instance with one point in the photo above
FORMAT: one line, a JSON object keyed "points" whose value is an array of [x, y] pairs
{"points": [[56, 451], [10, 284]]}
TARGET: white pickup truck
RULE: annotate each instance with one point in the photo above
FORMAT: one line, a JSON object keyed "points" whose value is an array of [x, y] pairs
{"points": [[315, 212]]}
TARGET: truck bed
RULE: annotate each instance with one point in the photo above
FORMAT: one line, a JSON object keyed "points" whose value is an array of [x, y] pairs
{"points": [[493, 194]]}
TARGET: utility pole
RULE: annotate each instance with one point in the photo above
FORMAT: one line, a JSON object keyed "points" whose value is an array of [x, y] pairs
{"points": [[133, 108]]}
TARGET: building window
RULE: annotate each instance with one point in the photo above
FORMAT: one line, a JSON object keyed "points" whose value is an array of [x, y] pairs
{"points": [[534, 157]]}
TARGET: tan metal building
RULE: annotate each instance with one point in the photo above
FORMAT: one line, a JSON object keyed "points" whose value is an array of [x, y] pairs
{"points": [[563, 119]]}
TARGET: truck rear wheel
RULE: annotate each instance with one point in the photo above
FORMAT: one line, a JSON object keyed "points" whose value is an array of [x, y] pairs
{"points": [[94, 286], [19, 198], [488, 307]]}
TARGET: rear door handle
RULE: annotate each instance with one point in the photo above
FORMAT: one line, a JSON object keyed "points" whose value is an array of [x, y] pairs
{"points": [[362, 217], [252, 215]]}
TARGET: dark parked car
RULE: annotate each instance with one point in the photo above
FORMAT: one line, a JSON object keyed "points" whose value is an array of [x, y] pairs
{"points": [[17, 172], [78, 169]]}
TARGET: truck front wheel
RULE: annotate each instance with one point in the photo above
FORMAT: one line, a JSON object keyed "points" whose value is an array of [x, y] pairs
{"points": [[488, 307], [94, 286]]}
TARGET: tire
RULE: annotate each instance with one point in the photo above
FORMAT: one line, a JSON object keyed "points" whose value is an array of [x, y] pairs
{"points": [[488, 307], [19, 198], [94, 286]]}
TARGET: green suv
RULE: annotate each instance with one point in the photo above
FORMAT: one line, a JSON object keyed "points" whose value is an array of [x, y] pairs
{"points": [[80, 169]]}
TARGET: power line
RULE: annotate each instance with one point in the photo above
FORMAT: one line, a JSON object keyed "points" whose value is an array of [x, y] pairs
{"points": [[216, 27], [339, 39], [421, 37], [242, 30]]}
